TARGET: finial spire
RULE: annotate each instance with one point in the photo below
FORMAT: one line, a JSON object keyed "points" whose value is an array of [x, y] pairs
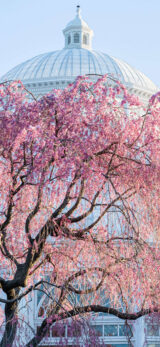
{"points": [[78, 11], [77, 32]]}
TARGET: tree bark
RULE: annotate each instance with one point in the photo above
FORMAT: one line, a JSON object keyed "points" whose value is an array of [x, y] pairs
{"points": [[11, 318]]}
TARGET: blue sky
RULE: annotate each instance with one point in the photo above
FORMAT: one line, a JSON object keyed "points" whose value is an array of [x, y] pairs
{"points": [[126, 29]]}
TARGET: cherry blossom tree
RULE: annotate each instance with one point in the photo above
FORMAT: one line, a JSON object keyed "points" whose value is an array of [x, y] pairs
{"points": [[79, 202]]}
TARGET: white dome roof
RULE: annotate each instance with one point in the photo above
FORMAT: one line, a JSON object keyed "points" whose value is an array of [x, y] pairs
{"points": [[77, 21], [69, 63], [56, 69]]}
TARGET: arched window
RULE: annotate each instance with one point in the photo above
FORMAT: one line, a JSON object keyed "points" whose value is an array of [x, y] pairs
{"points": [[69, 39], [76, 38], [85, 39]]}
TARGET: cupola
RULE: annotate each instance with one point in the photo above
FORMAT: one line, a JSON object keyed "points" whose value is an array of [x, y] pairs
{"points": [[77, 33]]}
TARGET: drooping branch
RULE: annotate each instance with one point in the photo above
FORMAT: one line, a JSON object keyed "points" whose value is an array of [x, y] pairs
{"points": [[83, 231], [88, 309], [90, 210]]}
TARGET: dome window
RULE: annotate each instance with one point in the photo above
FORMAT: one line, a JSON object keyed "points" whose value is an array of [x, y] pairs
{"points": [[85, 39], [69, 39], [76, 38]]}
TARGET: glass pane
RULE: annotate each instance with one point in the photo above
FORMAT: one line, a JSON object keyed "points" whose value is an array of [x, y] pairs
{"points": [[125, 330], [39, 294], [97, 329], [58, 330], [110, 330], [152, 330], [85, 39], [76, 38]]}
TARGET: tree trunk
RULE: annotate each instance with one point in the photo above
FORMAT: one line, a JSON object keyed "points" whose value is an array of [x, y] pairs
{"points": [[11, 319]]}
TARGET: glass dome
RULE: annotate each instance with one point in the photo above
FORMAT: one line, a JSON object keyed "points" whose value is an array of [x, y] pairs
{"points": [[69, 63], [56, 69]]}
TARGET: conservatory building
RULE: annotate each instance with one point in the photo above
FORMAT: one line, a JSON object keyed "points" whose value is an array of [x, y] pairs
{"points": [[57, 69]]}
